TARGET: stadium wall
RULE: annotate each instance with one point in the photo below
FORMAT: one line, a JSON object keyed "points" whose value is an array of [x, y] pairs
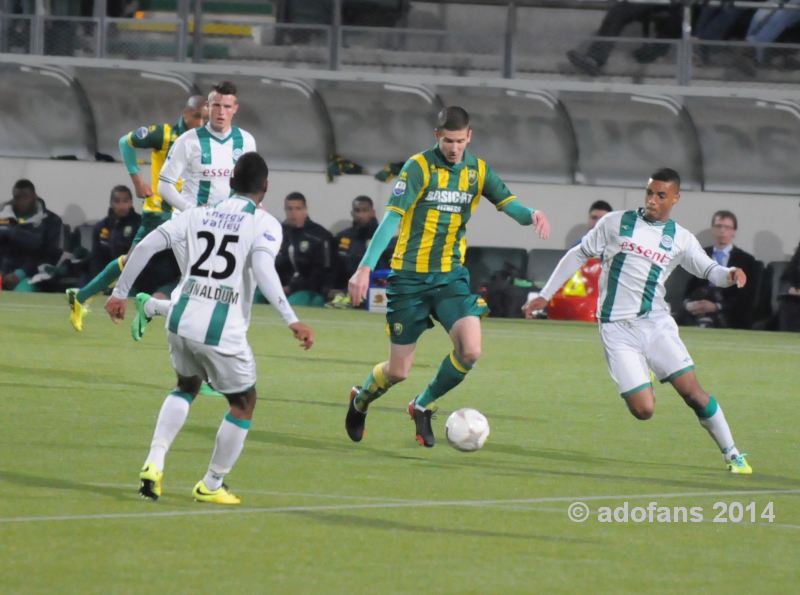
{"points": [[768, 224]]}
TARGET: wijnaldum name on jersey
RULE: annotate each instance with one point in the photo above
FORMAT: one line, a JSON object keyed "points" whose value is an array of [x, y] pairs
{"points": [[225, 295]]}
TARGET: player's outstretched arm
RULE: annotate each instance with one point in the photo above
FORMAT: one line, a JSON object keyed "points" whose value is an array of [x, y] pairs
{"points": [[737, 277], [153, 243], [541, 224], [565, 268], [116, 308], [526, 216], [128, 153], [358, 284], [534, 305], [303, 333]]}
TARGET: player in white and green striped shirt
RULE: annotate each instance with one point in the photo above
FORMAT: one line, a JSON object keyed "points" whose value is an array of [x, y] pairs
{"points": [[640, 249]]}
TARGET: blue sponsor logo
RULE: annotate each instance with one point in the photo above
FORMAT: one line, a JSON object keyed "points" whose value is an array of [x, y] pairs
{"points": [[399, 188], [141, 132]]}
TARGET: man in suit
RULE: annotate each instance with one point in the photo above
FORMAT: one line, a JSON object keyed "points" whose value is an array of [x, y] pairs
{"points": [[705, 304]]}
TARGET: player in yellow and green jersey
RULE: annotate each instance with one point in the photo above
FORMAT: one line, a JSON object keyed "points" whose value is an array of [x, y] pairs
{"points": [[159, 138], [432, 201]]}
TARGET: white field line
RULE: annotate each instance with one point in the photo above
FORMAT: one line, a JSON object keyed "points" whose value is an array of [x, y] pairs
{"points": [[388, 505], [537, 332]]}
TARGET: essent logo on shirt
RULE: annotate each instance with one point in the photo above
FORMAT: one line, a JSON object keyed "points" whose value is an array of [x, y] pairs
{"points": [[649, 253], [216, 173]]}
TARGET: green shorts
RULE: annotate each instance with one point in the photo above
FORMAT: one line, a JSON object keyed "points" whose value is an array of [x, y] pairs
{"points": [[415, 300], [162, 273], [149, 222]]}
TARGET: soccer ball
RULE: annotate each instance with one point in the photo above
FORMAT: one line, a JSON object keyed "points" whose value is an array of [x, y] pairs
{"points": [[466, 429]]}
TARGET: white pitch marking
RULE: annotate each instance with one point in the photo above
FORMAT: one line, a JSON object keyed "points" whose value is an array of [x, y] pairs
{"points": [[386, 505]]}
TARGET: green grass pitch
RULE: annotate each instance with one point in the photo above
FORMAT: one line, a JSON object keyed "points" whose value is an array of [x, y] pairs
{"points": [[323, 515]]}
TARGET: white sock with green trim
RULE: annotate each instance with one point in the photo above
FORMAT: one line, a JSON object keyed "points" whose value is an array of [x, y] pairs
{"points": [[156, 307], [230, 442], [171, 418], [713, 420]]}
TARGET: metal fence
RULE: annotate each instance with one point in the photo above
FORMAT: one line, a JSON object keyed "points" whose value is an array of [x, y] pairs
{"points": [[488, 38]]}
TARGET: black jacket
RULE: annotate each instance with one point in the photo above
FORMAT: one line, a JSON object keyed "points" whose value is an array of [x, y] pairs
{"points": [[737, 304], [304, 260], [27, 242], [349, 246], [112, 237], [791, 274]]}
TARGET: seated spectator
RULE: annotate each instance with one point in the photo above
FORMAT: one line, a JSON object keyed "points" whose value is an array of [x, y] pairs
{"points": [[723, 22], [616, 19], [709, 306], [304, 260], [789, 299], [112, 236], [30, 237], [596, 211], [350, 245], [768, 24]]}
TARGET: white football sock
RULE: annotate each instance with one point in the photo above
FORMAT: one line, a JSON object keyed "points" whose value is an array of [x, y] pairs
{"points": [[156, 307], [717, 426], [171, 418], [228, 447]]}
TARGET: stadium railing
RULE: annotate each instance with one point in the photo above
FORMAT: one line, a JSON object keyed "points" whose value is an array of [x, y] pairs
{"points": [[509, 39]]}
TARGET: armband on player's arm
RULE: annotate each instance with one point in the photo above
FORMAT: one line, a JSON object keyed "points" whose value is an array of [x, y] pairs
{"points": [[270, 285], [128, 155], [381, 239], [518, 211], [168, 192], [565, 268]]}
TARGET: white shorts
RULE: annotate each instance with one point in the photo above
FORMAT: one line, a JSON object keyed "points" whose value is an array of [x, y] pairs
{"points": [[634, 347], [226, 372]]}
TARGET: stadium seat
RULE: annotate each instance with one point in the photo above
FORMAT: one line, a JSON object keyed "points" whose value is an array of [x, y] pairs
{"points": [[766, 317], [542, 262], [676, 288], [483, 261]]}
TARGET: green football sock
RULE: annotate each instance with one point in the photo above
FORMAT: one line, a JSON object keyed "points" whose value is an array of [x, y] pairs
{"points": [[102, 281], [376, 384], [450, 374]]}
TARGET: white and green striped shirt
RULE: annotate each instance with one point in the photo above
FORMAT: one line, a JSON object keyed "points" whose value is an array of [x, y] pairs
{"points": [[638, 255], [212, 302], [204, 161]]}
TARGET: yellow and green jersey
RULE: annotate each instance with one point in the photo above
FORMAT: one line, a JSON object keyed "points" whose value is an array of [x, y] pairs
{"points": [[435, 200], [159, 138]]}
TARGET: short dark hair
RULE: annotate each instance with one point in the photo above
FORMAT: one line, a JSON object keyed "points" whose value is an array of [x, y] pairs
{"points": [[224, 88], [601, 205], [296, 196], [120, 188], [364, 199], [249, 174], [723, 214], [452, 118], [24, 184], [666, 174]]}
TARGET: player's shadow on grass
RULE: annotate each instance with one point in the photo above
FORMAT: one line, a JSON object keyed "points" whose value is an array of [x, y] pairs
{"points": [[352, 520], [284, 439], [696, 478], [57, 483], [362, 363]]}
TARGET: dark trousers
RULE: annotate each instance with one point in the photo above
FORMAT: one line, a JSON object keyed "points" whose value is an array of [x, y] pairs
{"points": [[620, 16]]}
